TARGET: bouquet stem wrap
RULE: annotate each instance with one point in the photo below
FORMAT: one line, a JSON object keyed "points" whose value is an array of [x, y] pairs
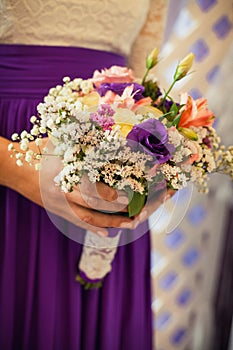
{"points": [[97, 257]]}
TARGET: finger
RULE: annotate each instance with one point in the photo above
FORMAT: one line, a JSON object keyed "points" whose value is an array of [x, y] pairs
{"points": [[101, 190], [153, 205], [96, 203], [113, 195], [161, 196], [68, 211], [94, 219]]}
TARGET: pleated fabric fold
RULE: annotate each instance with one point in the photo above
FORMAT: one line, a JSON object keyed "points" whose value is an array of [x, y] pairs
{"points": [[42, 307]]}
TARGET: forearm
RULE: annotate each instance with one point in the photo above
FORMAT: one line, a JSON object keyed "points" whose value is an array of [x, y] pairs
{"points": [[21, 179]]}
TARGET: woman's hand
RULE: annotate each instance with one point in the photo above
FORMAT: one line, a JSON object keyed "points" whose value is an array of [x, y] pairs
{"points": [[153, 204], [85, 206], [77, 206]]}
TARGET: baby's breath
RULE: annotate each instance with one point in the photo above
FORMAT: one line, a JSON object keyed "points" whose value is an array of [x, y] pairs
{"points": [[88, 140]]}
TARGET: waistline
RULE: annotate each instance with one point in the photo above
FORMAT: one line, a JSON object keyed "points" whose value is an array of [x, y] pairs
{"points": [[30, 71]]}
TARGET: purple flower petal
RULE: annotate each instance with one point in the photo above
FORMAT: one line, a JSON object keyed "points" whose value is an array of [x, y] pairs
{"points": [[151, 137], [118, 88]]}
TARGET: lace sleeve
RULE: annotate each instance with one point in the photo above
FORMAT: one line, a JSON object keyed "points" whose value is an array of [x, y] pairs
{"points": [[151, 35]]}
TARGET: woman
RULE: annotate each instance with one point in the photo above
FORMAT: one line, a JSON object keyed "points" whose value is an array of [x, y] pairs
{"points": [[42, 306]]}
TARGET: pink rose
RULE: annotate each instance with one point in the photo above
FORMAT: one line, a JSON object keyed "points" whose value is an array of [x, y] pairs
{"points": [[114, 74]]}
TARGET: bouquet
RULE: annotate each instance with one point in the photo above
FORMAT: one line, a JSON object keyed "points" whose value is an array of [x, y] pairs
{"points": [[128, 134]]}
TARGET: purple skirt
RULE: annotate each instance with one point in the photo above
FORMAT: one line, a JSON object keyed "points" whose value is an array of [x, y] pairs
{"points": [[42, 307]]}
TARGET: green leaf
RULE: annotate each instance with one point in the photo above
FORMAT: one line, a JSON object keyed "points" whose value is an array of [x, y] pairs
{"points": [[136, 202], [173, 109], [88, 285], [176, 120]]}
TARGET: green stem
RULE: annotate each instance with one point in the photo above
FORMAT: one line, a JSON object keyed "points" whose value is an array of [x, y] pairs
{"points": [[166, 93], [145, 76], [164, 115]]}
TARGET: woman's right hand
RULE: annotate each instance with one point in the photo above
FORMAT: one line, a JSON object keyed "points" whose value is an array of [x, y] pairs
{"points": [[82, 206]]}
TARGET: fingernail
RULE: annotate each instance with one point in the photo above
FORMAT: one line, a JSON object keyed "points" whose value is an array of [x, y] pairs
{"points": [[102, 233]]}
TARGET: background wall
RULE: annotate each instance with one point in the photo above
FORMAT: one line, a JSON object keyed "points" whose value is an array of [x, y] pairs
{"points": [[192, 235]]}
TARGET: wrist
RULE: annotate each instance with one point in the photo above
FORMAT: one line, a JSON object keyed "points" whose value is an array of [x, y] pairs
{"points": [[23, 179]]}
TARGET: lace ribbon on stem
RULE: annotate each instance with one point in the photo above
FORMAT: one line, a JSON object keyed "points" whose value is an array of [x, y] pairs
{"points": [[96, 259]]}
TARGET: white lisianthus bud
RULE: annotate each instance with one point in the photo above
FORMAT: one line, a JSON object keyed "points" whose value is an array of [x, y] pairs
{"points": [[184, 66], [19, 162], [33, 119], [152, 58]]}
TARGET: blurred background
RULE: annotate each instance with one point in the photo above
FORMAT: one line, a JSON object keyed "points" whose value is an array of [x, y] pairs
{"points": [[192, 242]]}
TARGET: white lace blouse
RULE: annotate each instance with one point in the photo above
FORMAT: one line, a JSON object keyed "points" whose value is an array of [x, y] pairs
{"points": [[128, 27]]}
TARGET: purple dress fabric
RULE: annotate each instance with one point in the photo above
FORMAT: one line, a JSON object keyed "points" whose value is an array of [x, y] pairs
{"points": [[42, 307]]}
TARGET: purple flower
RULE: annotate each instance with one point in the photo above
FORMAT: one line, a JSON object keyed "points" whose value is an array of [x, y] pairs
{"points": [[207, 142], [103, 117], [167, 105], [118, 88], [151, 137]]}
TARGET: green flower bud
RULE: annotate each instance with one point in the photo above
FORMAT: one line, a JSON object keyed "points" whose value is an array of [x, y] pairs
{"points": [[190, 134], [184, 66], [152, 58]]}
